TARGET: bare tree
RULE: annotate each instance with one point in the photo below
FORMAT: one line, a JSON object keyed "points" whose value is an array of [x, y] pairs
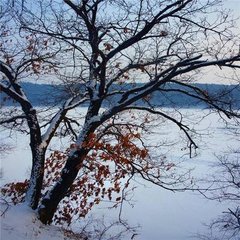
{"points": [[104, 43], [225, 187], [25, 56]]}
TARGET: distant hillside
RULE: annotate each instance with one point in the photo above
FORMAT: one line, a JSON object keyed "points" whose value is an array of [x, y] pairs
{"points": [[53, 95], [41, 94]]}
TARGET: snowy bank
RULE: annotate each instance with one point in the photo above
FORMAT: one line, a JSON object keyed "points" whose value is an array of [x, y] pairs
{"points": [[20, 223]]}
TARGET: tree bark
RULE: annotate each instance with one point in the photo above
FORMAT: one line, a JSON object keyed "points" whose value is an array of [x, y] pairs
{"points": [[36, 179], [51, 200], [38, 156], [70, 171]]}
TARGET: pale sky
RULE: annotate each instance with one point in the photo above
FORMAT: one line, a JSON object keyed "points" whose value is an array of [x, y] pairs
{"points": [[233, 4], [211, 75]]}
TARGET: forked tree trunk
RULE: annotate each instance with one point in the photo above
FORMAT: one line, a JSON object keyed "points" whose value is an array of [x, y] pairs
{"points": [[36, 179], [70, 171], [50, 202]]}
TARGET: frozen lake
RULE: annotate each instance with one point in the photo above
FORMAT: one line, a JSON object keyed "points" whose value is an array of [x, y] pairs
{"points": [[161, 214]]}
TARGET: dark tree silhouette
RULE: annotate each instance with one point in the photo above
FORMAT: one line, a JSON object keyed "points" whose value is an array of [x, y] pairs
{"points": [[103, 44]]}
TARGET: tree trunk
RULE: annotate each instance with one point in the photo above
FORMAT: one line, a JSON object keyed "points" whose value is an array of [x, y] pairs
{"points": [[70, 171], [36, 179], [51, 200]]}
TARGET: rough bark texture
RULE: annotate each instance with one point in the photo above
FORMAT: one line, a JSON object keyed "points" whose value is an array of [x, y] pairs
{"points": [[36, 178], [50, 202], [38, 157]]}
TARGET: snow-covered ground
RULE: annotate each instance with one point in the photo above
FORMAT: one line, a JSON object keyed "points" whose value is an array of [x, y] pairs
{"points": [[161, 214], [20, 223]]}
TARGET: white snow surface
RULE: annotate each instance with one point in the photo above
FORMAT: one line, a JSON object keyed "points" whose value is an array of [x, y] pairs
{"points": [[20, 223]]}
